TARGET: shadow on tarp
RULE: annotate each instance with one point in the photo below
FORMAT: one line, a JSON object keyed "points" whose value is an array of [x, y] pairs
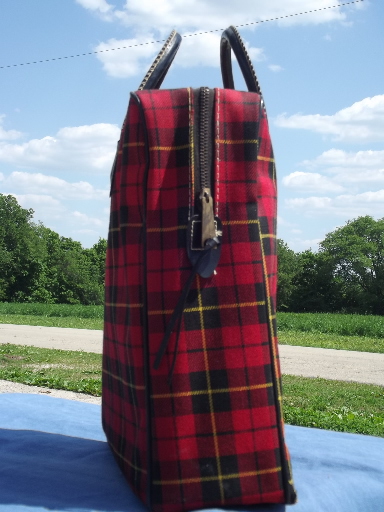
{"points": [[52, 471], [60, 472]]}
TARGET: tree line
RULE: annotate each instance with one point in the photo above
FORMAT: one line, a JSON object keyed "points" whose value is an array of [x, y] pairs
{"points": [[346, 274], [38, 265]]}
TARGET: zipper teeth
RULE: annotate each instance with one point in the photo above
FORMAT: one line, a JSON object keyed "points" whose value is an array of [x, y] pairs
{"points": [[204, 142]]}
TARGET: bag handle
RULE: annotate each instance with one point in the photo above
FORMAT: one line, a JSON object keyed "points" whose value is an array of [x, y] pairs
{"points": [[159, 68], [231, 40]]}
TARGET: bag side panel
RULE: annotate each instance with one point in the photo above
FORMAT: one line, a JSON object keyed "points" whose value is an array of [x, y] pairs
{"points": [[252, 212], [215, 428], [123, 400]]}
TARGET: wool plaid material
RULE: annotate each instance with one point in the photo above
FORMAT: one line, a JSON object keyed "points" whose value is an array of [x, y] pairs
{"points": [[212, 435]]}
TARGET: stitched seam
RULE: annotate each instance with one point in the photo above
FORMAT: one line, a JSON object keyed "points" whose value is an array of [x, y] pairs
{"points": [[191, 158], [217, 153]]}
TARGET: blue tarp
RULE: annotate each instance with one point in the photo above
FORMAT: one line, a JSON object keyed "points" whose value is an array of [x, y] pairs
{"points": [[53, 455]]}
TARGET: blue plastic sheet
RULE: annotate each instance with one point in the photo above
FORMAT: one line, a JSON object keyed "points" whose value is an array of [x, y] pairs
{"points": [[53, 455]]}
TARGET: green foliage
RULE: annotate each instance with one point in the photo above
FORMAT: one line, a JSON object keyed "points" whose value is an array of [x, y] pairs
{"points": [[314, 285], [19, 250], [287, 261], [38, 265], [357, 254]]}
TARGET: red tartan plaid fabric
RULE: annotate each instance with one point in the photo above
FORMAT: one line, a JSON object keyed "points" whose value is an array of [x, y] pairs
{"points": [[214, 436]]}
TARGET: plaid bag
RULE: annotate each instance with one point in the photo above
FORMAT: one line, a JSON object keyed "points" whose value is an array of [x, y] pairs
{"points": [[191, 402]]}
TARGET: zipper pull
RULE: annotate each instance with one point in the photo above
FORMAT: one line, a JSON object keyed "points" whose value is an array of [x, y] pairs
{"points": [[208, 228]]}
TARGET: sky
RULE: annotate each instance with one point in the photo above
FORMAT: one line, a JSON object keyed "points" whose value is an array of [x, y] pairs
{"points": [[321, 74]]}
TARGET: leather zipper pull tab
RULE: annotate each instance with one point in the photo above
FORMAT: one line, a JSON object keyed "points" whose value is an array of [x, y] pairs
{"points": [[208, 228]]}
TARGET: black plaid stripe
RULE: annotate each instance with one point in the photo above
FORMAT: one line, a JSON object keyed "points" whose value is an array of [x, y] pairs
{"points": [[222, 399]]}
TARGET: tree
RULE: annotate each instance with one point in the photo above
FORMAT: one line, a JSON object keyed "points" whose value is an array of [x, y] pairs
{"points": [[287, 261], [20, 260], [39, 265], [315, 287], [357, 252]]}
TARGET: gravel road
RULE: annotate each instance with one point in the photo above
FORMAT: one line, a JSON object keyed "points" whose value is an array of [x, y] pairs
{"points": [[331, 364]]}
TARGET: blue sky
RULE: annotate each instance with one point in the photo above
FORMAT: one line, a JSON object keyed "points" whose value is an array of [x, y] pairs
{"points": [[321, 75]]}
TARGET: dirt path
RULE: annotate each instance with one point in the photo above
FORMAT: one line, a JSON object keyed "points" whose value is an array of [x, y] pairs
{"points": [[362, 367]]}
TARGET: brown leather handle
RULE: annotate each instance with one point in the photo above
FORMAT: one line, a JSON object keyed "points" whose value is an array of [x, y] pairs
{"points": [[231, 40], [160, 66]]}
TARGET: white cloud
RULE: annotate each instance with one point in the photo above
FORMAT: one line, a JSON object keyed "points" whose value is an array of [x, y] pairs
{"points": [[37, 183], [275, 68], [362, 167], [212, 14], [135, 60], [131, 61], [87, 148], [101, 7], [47, 208], [346, 205], [86, 220], [8, 134], [152, 20], [309, 182], [361, 122], [334, 159]]}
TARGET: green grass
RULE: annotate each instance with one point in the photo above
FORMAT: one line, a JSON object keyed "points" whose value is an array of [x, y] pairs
{"points": [[334, 405], [331, 405], [53, 321], [55, 369], [52, 310], [323, 330], [52, 315], [335, 341], [332, 323]]}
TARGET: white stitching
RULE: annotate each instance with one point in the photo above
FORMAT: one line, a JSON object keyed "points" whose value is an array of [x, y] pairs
{"points": [[191, 158], [217, 152]]}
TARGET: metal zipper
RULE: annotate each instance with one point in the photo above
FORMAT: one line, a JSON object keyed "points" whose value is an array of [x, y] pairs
{"points": [[208, 230]]}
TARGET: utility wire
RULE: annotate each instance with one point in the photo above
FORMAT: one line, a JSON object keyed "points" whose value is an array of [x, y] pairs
{"points": [[188, 35]]}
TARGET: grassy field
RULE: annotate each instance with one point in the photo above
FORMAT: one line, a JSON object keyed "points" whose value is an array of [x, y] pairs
{"points": [[52, 315], [332, 323], [55, 369], [331, 405], [362, 333]]}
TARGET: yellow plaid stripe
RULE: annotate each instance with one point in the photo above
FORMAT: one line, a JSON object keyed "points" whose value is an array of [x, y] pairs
{"points": [[265, 158], [166, 230], [246, 222], [169, 148], [271, 316], [136, 468], [209, 391], [214, 391], [208, 308], [245, 474], [245, 141], [126, 383]]}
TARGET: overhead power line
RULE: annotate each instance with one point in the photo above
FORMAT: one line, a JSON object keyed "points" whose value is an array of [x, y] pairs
{"points": [[187, 35]]}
